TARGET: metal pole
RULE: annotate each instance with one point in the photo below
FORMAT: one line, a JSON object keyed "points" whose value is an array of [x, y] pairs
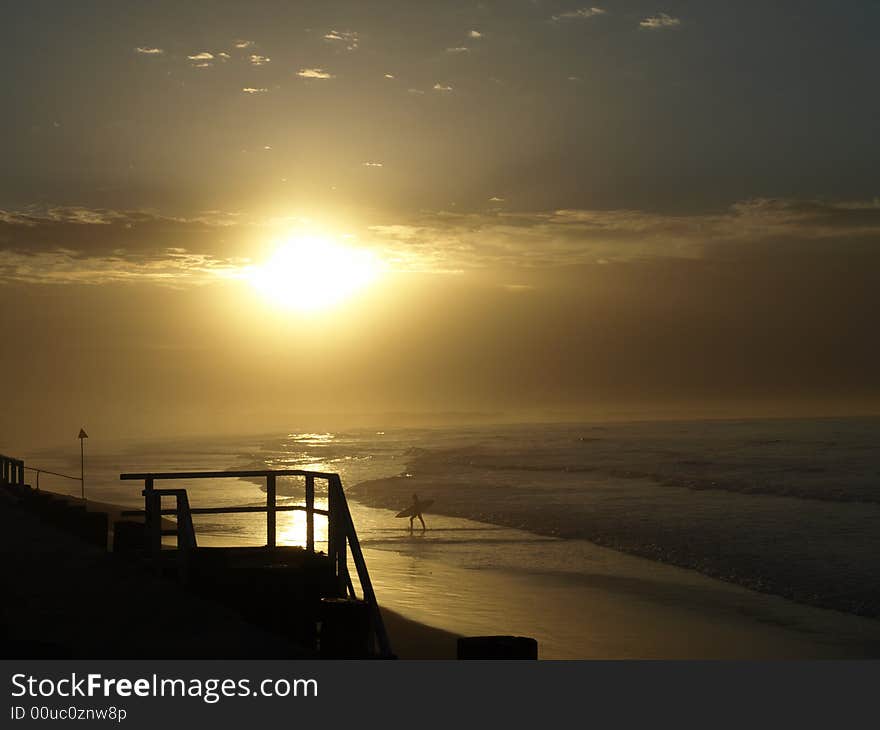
{"points": [[82, 471]]}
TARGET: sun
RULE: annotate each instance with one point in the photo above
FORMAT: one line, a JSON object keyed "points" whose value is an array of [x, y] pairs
{"points": [[314, 273]]}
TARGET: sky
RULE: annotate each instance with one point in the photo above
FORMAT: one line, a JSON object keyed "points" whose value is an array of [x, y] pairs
{"points": [[525, 210]]}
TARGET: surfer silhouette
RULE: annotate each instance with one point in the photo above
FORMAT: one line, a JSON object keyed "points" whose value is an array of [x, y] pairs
{"points": [[415, 510]]}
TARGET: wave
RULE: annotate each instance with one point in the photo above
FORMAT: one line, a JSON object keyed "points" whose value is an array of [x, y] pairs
{"points": [[820, 553], [797, 472], [787, 507]]}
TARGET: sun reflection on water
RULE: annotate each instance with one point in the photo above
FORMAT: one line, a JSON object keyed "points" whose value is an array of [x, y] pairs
{"points": [[291, 527]]}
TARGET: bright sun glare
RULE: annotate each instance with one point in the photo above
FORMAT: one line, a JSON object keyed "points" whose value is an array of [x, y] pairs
{"points": [[314, 273]]}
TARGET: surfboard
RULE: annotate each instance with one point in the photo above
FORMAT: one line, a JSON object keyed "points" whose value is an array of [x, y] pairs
{"points": [[408, 512]]}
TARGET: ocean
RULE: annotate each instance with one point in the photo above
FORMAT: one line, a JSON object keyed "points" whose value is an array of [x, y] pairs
{"points": [[546, 528]]}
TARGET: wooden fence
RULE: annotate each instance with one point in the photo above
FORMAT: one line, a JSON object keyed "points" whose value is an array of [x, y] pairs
{"points": [[11, 470]]}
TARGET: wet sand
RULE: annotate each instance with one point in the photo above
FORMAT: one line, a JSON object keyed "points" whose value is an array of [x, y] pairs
{"points": [[413, 640], [590, 602]]}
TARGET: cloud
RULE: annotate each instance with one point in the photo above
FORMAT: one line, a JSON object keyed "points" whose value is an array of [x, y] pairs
{"points": [[389, 76], [149, 51], [581, 14], [96, 246], [258, 60], [750, 229], [496, 199], [202, 59], [373, 164], [176, 269], [347, 38], [76, 244], [474, 34], [414, 91], [240, 43], [442, 87], [252, 90], [314, 73], [660, 21], [458, 49], [225, 56]]}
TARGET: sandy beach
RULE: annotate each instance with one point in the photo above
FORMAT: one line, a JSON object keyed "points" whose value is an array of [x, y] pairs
{"points": [[70, 599], [625, 608]]}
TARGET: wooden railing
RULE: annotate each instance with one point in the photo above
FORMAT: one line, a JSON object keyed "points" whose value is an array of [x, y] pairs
{"points": [[341, 533], [11, 470], [37, 473]]}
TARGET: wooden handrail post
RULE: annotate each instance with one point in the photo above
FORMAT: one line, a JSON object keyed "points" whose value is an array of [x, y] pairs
{"points": [[181, 526], [342, 553], [360, 564], [336, 499], [332, 519], [182, 547], [270, 510], [153, 517], [310, 513]]}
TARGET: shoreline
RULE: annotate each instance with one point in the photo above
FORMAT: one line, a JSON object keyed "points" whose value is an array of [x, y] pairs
{"points": [[624, 607], [648, 544]]}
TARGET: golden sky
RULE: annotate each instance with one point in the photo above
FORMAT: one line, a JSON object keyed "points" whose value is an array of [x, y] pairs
{"points": [[223, 215]]}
